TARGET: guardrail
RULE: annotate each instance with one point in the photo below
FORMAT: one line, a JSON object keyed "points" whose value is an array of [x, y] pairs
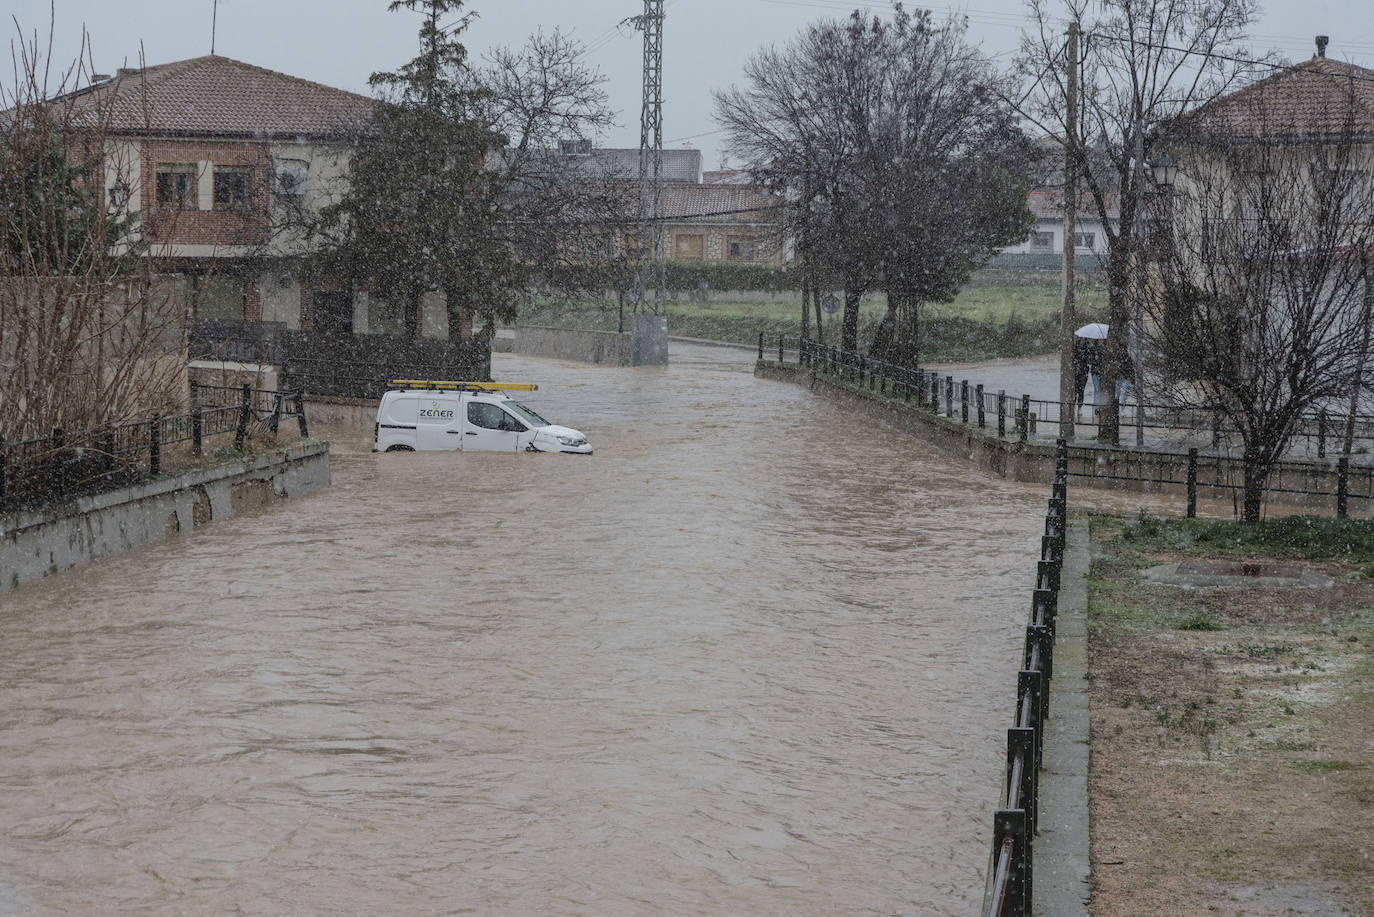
{"points": [[1176, 462], [44, 470], [1011, 866]]}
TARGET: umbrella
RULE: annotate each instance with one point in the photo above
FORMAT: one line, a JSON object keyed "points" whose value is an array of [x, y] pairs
{"points": [[1092, 330]]}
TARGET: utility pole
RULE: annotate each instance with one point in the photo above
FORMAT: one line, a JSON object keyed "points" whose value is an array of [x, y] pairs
{"points": [[1067, 321], [651, 160]]}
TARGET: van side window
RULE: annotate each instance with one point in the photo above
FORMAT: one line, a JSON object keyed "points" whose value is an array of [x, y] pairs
{"points": [[485, 414], [511, 424]]}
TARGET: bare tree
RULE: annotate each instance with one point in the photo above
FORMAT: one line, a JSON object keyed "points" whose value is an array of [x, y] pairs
{"points": [[90, 333], [1143, 62], [1265, 304], [901, 165]]}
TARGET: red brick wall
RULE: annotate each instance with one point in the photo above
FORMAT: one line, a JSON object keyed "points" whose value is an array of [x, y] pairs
{"points": [[207, 227]]}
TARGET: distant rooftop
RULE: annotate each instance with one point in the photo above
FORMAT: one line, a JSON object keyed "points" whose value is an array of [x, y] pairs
{"points": [[1312, 98], [219, 96]]}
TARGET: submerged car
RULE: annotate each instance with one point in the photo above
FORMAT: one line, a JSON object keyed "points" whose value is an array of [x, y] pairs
{"points": [[427, 415]]}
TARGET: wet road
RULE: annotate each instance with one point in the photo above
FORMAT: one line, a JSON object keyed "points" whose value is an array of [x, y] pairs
{"points": [[754, 656]]}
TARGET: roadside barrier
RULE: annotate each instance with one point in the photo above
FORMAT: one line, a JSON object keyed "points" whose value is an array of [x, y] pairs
{"points": [[1173, 461], [45, 470], [1011, 865]]}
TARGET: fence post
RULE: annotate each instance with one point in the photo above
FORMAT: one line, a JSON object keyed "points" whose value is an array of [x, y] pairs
{"points": [[1001, 413], [1192, 482], [1321, 434], [277, 405], [760, 345], [1010, 827], [780, 339], [934, 393], [1342, 485], [963, 401], [59, 475], [1021, 742], [155, 445], [244, 411], [300, 414], [949, 396], [1025, 417], [863, 370], [982, 416]]}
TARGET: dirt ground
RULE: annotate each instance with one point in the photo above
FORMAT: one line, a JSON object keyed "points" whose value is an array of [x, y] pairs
{"points": [[1232, 766]]}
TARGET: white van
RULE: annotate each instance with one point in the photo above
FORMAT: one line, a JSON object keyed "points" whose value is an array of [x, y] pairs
{"points": [[423, 414]]}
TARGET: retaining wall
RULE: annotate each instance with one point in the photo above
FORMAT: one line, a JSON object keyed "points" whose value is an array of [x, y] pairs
{"points": [[609, 347], [1300, 484], [36, 544]]}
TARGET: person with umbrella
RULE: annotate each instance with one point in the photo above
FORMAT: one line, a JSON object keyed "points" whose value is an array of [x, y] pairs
{"points": [[1087, 360]]}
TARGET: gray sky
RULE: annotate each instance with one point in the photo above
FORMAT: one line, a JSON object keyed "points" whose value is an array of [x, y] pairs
{"points": [[706, 42]]}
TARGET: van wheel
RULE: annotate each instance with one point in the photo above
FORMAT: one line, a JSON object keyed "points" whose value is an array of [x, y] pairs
{"points": [[400, 449]]}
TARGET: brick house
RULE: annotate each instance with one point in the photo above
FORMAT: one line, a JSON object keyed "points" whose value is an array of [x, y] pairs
{"points": [[215, 155]]}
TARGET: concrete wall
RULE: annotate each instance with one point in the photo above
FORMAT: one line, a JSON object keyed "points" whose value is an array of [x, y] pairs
{"points": [[1299, 484], [36, 544], [607, 347]]}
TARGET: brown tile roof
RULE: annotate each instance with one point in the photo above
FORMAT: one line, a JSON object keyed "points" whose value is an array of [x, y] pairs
{"points": [[216, 96], [717, 204], [1310, 99]]}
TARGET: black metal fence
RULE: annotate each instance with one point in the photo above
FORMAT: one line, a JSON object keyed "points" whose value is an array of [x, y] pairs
{"points": [[1172, 461], [35, 473], [1011, 867]]}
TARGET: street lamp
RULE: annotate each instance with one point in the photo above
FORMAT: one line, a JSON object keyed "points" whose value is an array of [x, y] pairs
{"points": [[1164, 172]]}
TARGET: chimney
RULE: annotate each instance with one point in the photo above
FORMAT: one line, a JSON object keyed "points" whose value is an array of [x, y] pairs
{"points": [[1321, 45]]}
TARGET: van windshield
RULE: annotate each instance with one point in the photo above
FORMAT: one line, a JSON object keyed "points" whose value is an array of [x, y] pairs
{"points": [[526, 414]]}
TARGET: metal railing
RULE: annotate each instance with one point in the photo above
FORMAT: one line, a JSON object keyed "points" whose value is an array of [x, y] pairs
{"points": [[1010, 890], [41, 471], [1179, 432]]}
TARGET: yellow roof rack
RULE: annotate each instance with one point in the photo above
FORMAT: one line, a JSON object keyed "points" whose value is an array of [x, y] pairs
{"points": [[446, 385]]}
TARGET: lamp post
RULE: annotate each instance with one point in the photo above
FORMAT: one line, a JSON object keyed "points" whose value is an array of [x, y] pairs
{"points": [[1163, 172]]}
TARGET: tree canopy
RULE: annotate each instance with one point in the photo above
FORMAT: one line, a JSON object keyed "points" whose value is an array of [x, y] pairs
{"points": [[900, 163]]}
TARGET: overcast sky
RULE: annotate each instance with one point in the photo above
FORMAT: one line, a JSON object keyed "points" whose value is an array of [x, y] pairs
{"points": [[706, 42]]}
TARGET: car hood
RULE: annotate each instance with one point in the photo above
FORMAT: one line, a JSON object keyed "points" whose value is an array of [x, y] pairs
{"points": [[555, 430]]}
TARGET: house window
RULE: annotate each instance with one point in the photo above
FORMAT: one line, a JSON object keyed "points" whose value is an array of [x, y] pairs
{"points": [[288, 177], [689, 247], [233, 187], [176, 185], [1085, 240], [219, 297], [1041, 241], [739, 249]]}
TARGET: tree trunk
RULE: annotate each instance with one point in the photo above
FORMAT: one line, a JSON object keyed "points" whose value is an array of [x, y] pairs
{"points": [[849, 335], [820, 322], [1256, 473], [1119, 323]]}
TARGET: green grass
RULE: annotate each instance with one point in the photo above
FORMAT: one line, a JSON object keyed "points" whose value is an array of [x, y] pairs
{"points": [[982, 322], [1287, 537]]}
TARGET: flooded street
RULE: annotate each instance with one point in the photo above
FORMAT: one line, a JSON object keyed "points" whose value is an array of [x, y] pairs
{"points": [[754, 656]]}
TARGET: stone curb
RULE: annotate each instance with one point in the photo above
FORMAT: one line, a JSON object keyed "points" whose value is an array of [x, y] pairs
{"points": [[1062, 865]]}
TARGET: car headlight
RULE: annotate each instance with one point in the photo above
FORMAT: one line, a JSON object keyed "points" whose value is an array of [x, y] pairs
{"points": [[573, 440]]}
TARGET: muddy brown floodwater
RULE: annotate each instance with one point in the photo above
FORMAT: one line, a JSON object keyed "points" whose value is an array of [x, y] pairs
{"points": [[754, 656]]}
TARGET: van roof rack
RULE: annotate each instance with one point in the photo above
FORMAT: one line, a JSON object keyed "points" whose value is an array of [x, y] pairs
{"points": [[452, 386]]}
